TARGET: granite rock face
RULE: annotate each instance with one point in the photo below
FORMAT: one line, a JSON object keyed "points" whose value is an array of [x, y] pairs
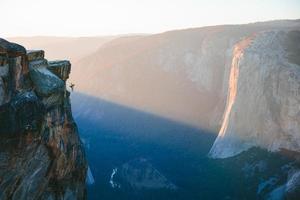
{"points": [[41, 155], [46, 83], [263, 95], [61, 68]]}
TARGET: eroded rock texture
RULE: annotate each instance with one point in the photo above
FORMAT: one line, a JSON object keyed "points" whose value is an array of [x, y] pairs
{"points": [[41, 155]]}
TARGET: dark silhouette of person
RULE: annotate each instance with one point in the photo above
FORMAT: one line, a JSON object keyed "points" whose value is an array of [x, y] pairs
{"points": [[72, 86]]}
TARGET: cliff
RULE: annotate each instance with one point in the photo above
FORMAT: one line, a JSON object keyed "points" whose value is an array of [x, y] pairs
{"points": [[41, 155], [263, 95]]}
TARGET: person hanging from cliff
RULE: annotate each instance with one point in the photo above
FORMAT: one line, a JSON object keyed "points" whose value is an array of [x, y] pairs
{"points": [[72, 86]]}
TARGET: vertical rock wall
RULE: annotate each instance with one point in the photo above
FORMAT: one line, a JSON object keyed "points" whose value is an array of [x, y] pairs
{"points": [[264, 96]]}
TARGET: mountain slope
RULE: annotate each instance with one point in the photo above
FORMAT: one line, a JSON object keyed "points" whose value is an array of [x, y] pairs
{"points": [[182, 75]]}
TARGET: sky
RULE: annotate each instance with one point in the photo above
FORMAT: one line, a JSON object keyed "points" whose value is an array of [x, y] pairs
{"points": [[112, 17]]}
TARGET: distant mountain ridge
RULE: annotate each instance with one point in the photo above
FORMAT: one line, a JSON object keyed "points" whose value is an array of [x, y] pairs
{"points": [[71, 48]]}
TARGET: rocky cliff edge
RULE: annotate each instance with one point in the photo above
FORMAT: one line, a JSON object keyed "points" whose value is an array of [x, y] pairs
{"points": [[41, 155]]}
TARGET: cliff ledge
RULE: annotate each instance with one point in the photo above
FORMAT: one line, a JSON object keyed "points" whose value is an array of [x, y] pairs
{"points": [[41, 155]]}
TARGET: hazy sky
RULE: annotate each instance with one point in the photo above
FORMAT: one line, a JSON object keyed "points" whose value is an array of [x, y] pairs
{"points": [[105, 17]]}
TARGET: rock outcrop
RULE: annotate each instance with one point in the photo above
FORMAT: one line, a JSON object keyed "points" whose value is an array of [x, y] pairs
{"points": [[263, 96], [41, 155], [139, 174]]}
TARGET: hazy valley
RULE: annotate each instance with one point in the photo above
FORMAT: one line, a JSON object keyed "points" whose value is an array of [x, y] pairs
{"points": [[161, 109]]}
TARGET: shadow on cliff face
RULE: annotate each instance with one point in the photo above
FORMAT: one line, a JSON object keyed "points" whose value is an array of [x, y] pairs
{"points": [[116, 136]]}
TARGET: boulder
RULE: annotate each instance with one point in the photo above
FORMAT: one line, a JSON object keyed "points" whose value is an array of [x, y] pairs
{"points": [[61, 68], [45, 82], [11, 49], [35, 55]]}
